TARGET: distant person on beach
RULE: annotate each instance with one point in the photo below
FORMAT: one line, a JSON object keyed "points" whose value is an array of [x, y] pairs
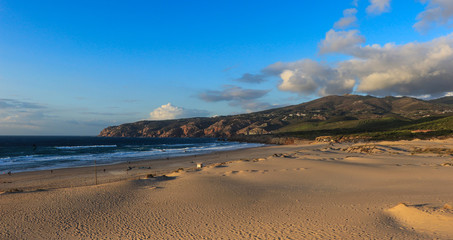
{"points": [[34, 147]]}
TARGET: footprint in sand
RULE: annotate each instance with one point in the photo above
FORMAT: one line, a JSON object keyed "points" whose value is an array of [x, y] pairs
{"points": [[244, 171], [284, 155], [294, 169]]}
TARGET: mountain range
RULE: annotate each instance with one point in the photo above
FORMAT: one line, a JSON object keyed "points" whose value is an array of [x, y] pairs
{"points": [[327, 115]]}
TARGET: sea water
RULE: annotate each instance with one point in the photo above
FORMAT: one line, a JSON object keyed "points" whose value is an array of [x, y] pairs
{"points": [[31, 153]]}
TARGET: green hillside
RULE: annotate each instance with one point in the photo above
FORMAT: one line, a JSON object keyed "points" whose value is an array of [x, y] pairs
{"points": [[445, 123], [353, 125], [389, 128]]}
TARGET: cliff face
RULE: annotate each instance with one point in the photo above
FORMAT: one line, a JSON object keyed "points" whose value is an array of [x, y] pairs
{"points": [[331, 108], [196, 127]]}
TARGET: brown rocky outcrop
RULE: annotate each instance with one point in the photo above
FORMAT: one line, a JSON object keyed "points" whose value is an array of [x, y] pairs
{"points": [[330, 108]]}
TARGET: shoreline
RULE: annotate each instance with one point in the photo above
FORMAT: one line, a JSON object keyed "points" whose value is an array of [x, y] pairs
{"points": [[85, 175], [139, 159], [25, 154]]}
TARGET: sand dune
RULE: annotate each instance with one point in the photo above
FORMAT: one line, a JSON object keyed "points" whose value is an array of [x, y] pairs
{"points": [[436, 221], [311, 191]]}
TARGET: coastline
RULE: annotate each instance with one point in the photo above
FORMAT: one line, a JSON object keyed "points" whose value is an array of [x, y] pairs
{"points": [[85, 176], [35, 153]]}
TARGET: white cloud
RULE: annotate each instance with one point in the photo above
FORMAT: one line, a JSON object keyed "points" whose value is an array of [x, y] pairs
{"points": [[340, 41], [169, 111], [413, 69], [348, 20], [378, 7], [437, 12], [312, 78], [409, 69], [297, 81]]}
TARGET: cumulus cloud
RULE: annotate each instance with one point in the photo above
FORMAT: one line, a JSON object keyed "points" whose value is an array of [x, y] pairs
{"points": [[251, 78], [378, 7], [307, 77], [413, 69], [437, 12], [169, 111], [348, 20], [409, 69], [340, 41]]}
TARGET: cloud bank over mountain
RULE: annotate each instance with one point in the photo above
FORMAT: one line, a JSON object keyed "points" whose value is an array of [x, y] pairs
{"points": [[409, 69], [413, 68]]}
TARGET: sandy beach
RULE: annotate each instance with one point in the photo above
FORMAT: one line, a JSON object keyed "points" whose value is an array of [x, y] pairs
{"points": [[379, 190]]}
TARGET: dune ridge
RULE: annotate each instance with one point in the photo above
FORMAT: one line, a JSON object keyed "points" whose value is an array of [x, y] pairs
{"points": [[437, 221]]}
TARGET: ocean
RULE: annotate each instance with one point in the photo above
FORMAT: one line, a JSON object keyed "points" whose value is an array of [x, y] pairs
{"points": [[31, 153]]}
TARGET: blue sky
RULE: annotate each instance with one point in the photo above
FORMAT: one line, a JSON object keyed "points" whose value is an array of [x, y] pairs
{"points": [[73, 68]]}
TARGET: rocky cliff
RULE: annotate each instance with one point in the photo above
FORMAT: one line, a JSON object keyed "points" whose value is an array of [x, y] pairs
{"points": [[331, 108]]}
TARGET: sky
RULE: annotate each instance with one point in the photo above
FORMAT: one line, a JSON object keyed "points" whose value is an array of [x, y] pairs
{"points": [[76, 67]]}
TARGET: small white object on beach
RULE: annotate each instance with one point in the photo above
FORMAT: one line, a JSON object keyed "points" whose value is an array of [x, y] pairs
{"points": [[199, 165]]}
